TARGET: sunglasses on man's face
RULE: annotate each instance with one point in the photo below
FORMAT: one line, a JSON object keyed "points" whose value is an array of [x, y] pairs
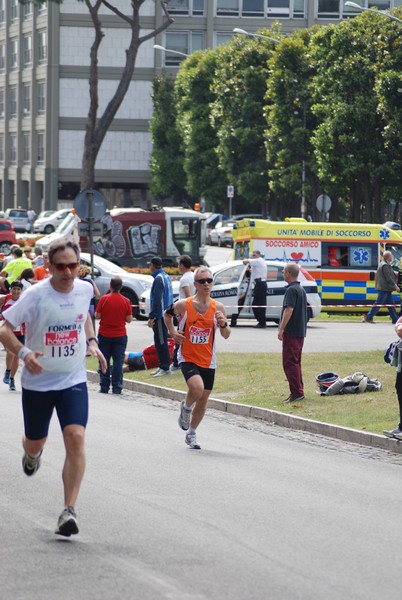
{"points": [[64, 266], [202, 281]]}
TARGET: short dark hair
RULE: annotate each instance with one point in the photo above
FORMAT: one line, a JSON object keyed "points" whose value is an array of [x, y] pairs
{"points": [[116, 283], [18, 252], [186, 261], [62, 244], [15, 284]]}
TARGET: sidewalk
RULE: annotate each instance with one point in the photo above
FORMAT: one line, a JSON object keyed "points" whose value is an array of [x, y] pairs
{"points": [[271, 416]]}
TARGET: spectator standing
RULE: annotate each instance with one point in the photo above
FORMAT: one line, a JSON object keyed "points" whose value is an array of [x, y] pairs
{"points": [[385, 284], [161, 298], [292, 331], [114, 311], [186, 289], [38, 261], [31, 218], [243, 289], [42, 272], [199, 318], [58, 327], [397, 362], [259, 279]]}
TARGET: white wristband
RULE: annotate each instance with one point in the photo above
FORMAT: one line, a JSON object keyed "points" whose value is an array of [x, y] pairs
{"points": [[23, 353]]}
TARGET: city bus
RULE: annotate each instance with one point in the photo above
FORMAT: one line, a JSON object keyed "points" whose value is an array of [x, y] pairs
{"points": [[342, 257]]}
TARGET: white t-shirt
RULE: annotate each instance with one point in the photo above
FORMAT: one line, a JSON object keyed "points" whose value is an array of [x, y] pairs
{"points": [[258, 268], [187, 280], [55, 325]]}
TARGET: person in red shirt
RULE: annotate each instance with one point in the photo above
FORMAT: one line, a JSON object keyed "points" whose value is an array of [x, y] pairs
{"points": [[12, 360], [114, 311]]}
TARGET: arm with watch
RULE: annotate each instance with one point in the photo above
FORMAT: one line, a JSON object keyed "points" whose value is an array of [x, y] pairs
{"points": [[221, 321]]}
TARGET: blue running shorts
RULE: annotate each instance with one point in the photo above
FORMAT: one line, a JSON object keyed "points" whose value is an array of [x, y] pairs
{"points": [[71, 406]]}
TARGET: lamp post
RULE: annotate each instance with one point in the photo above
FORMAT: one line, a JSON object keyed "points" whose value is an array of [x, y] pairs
{"points": [[377, 12], [264, 37], [157, 47]]}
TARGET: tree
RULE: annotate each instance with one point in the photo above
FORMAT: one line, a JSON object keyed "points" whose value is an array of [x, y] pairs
{"points": [[168, 177], [204, 178], [239, 88], [97, 127]]}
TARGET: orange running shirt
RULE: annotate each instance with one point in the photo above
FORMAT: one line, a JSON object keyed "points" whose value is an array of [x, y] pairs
{"points": [[199, 331]]}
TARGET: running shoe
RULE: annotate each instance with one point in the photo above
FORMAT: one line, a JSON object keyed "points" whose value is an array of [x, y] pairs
{"points": [[161, 373], [174, 369], [67, 523], [30, 464], [184, 416], [6, 378], [191, 440], [12, 387], [392, 433]]}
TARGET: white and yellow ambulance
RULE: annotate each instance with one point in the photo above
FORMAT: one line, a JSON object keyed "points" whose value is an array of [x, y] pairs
{"points": [[342, 257]]}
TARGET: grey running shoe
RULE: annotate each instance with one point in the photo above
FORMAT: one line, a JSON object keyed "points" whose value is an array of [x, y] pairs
{"points": [[184, 417], [12, 387], [67, 523], [390, 433], [30, 464], [291, 398], [161, 373], [398, 435], [174, 369], [191, 440]]}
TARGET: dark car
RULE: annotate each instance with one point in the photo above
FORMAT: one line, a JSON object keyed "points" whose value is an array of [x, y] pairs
{"points": [[7, 236]]}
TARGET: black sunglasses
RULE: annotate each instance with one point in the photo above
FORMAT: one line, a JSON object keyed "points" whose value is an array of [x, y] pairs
{"points": [[206, 280], [64, 266]]}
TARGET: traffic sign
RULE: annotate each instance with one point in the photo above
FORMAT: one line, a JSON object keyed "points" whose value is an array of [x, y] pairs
{"points": [[323, 203], [230, 192], [90, 204]]}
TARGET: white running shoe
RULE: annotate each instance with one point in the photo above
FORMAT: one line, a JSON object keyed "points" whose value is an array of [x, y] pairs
{"points": [[184, 416], [174, 369], [67, 523], [191, 440]]}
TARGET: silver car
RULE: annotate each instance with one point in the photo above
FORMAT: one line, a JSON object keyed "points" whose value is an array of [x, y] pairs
{"points": [[229, 283], [134, 284]]}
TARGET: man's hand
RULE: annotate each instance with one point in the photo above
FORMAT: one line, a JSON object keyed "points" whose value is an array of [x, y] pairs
{"points": [[150, 323], [93, 350], [32, 364]]}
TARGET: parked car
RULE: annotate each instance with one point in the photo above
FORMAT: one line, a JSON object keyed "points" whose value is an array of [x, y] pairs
{"points": [[44, 213], [65, 229], [221, 234], [48, 224], [228, 278], [19, 219], [7, 236], [134, 284]]}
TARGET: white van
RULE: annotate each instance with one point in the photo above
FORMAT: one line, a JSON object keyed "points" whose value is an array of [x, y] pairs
{"points": [[65, 229]]}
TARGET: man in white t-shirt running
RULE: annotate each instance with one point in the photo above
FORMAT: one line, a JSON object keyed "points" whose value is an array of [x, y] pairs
{"points": [[186, 289], [59, 329]]}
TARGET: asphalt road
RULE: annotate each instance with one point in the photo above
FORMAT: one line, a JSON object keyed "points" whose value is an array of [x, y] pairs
{"points": [[260, 513]]}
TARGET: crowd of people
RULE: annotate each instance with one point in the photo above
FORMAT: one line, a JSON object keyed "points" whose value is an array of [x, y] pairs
{"points": [[49, 308]]}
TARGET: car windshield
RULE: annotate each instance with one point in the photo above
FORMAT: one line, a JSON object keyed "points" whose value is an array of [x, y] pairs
{"points": [[102, 263], [65, 224]]}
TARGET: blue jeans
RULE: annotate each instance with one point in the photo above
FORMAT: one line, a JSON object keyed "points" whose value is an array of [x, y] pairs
{"points": [[112, 348], [161, 343], [383, 298]]}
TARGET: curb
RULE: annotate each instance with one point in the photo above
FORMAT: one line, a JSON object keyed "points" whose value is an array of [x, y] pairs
{"points": [[354, 436]]}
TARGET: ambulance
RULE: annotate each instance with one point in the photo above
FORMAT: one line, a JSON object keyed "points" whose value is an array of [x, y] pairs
{"points": [[342, 257]]}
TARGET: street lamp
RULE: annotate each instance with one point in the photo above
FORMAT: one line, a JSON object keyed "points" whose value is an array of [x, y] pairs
{"points": [[377, 12], [157, 47], [264, 37]]}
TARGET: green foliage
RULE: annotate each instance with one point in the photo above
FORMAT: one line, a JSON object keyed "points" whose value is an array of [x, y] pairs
{"points": [[166, 158]]}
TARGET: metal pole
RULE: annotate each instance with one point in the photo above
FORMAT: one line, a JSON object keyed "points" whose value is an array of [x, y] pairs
{"points": [[90, 198]]}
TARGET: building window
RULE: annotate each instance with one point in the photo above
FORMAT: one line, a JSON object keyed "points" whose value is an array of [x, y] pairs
{"points": [[223, 38], [2, 149], [13, 148], [186, 7], [185, 42], [2, 57], [2, 11], [42, 50], [253, 8], [14, 10], [27, 9], [2, 102], [14, 53], [328, 9], [26, 99], [27, 49], [227, 8], [41, 96], [278, 8], [27, 148], [298, 9], [40, 137], [13, 101]]}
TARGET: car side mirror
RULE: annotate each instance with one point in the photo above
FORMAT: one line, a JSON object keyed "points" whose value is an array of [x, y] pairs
{"points": [[96, 272]]}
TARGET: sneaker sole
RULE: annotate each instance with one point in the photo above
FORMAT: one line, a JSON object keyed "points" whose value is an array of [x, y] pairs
{"points": [[68, 528]]}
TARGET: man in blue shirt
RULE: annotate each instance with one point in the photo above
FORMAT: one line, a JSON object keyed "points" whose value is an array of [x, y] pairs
{"points": [[161, 298]]}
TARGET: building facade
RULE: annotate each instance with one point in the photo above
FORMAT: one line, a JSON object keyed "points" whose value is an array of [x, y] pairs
{"points": [[44, 91]]}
